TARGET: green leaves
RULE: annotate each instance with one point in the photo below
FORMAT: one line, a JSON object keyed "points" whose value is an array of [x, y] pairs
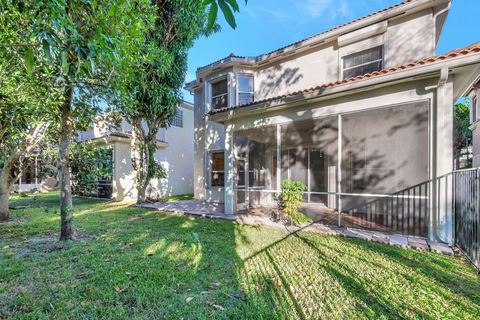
{"points": [[227, 12], [212, 16], [291, 197], [28, 60], [228, 7]]}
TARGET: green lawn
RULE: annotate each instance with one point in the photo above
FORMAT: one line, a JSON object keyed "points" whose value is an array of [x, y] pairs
{"points": [[138, 264]]}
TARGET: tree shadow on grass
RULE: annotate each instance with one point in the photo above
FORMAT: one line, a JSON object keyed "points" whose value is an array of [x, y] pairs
{"points": [[306, 275], [138, 264], [150, 264], [444, 272]]}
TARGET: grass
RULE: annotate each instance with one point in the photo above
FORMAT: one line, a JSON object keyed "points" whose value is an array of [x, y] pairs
{"points": [[181, 197], [138, 264]]}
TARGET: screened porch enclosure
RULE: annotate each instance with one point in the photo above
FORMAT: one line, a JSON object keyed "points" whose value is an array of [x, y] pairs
{"points": [[372, 166]]}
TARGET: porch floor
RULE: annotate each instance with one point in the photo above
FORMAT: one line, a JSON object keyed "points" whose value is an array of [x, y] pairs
{"points": [[325, 222]]}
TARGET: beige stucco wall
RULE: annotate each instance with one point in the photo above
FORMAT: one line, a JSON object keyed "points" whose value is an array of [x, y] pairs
{"points": [[409, 38], [176, 156], [404, 39], [208, 136], [314, 67], [177, 159], [123, 177]]}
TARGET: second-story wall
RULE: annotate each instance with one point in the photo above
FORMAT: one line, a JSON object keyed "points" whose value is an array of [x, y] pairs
{"points": [[404, 39], [313, 67]]}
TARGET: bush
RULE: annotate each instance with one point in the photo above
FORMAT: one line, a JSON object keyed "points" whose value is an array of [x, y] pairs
{"points": [[291, 199]]}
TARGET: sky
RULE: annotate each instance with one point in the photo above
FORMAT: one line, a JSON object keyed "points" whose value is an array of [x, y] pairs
{"points": [[266, 25]]}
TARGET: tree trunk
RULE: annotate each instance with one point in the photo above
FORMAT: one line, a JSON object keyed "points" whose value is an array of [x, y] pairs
{"points": [[67, 229], [4, 194], [141, 193], [145, 176]]}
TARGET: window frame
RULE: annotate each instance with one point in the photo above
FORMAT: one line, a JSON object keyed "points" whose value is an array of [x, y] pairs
{"points": [[238, 91], [381, 60], [212, 172], [177, 121], [211, 96]]}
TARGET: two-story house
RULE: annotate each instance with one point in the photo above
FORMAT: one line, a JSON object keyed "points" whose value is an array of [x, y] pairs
{"points": [[361, 113], [174, 153]]}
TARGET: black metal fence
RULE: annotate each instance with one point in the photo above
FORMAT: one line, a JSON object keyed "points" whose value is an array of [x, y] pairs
{"points": [[404, 212], [467, 212]]}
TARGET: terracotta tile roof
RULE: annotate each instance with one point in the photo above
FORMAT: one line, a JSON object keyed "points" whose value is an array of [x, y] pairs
{"points": [[230, 57], [474, 48], [233, 56]]}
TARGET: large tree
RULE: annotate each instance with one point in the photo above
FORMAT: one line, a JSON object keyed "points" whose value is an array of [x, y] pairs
{"points": [[154, 84], [27, 97], [462, 131], [82, 41]]}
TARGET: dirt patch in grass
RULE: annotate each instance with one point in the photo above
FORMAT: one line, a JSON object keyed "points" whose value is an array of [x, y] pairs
{"points": [[15, 220], [36, 247], [40, 246]]}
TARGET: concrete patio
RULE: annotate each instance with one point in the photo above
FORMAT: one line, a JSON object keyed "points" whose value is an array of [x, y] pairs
{"points": [[216, 211]]}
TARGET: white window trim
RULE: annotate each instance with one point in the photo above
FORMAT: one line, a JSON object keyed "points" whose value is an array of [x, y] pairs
{"points": [[382, 60], [229, 76], [210, 97], [237, 89]]}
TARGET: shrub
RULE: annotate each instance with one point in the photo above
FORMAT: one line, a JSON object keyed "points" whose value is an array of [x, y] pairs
{"points": [[291, 199]]}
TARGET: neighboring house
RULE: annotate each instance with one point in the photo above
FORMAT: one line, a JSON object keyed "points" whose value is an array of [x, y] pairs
{"points": [[174, 153], [359, 113], [475, 120], [33, 176]]}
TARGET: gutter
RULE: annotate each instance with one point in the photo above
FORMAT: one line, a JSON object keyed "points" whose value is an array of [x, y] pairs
{"points": [[325, 94]]}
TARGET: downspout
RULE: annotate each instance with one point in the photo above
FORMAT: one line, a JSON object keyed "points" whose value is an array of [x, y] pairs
{"points": [[435, 16]]}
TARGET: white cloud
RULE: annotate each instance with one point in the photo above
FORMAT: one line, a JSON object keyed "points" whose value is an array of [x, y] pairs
{"points": [[325, 8]]}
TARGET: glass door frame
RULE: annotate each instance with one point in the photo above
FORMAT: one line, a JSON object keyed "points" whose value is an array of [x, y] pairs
{"points": [[246, 204]]}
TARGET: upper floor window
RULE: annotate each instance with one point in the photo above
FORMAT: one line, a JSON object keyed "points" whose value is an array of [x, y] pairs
{"points": [[363, 62], [177, 121], [219, 94], [245, 89]]}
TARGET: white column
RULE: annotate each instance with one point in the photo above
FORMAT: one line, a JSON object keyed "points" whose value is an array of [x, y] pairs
{"points": [[339, 170], [229, 193], [279, 157], [444, 161]]}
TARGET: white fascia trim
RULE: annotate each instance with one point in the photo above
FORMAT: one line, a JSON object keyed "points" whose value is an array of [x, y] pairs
{"points": [[325, 94]]}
